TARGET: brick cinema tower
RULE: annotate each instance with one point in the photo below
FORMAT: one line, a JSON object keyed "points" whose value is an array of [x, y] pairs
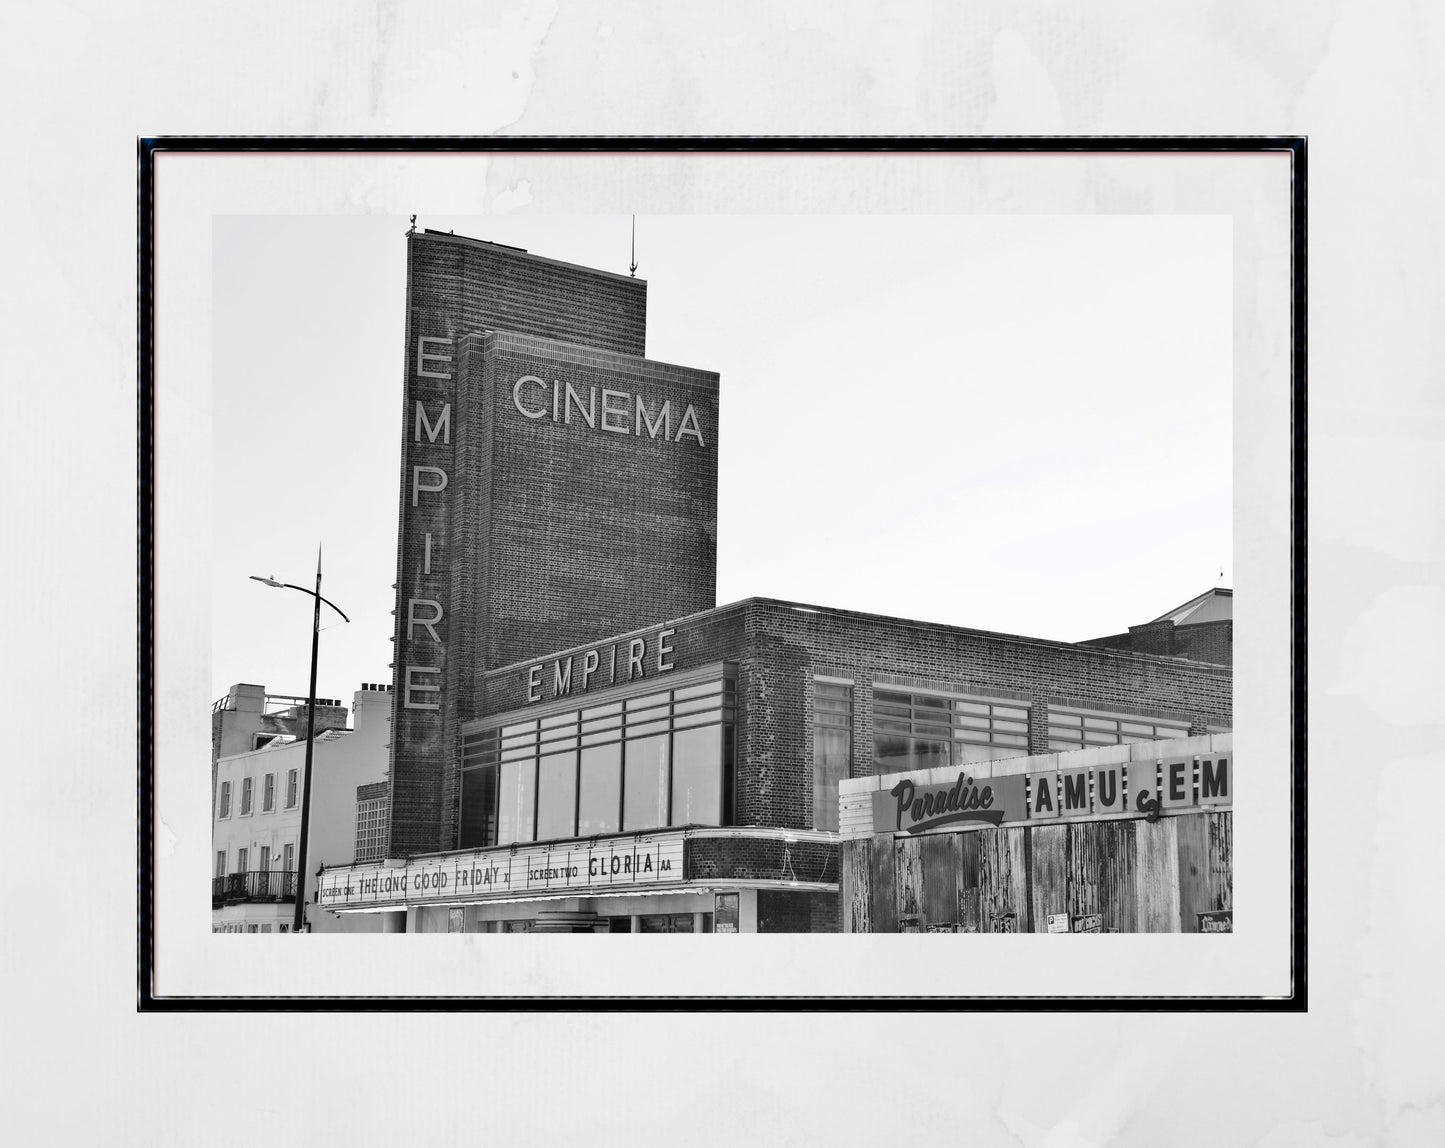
{"points": [[556, 487]]}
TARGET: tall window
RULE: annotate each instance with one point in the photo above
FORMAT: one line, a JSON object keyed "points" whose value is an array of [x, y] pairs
{"points": [[288, 858], [657, 759], [926, 731], [242, 860], [291, 789], [220, 862], [268, 798], [1073, 728], [371, 829], [225, 810], [246, 796], [832, 748]]}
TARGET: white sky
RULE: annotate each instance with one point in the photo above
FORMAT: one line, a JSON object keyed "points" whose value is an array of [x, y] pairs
{"points": [[1016, 423]]}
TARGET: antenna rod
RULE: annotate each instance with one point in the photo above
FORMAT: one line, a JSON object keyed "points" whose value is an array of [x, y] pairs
{"points": [[633, 267]]}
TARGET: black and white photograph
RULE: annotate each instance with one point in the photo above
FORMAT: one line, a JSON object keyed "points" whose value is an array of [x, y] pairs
{"points": [[779, 476], [780, 566]]}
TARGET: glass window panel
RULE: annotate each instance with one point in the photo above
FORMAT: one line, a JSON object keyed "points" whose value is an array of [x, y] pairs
{"points": [[972, 722], [478, 820], [644, 784], [893, 754], [831, 763], [1012, 726], [569, 742], [520, 727], [556, 796], [971, 707], [924, 701], [1135, 727], [559, 719], [886, 708], [697, 777], [527, 751], [602, 738], [830, 705], [1056, 718], [602, 723], [1094, 737], [644, 702], [517, 801], [930, 730], [1010, 739], [524, 739], [600, 795], [602, 711], [647, 728], [699, 691], [1010, 712], [891, 724], [1164, 731], [688, 720], [970, 753], [890, 696], [1100, 723], [712, 703], [646, 715]]}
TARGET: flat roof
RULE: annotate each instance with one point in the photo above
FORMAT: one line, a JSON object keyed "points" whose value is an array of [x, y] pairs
{"points": [[845, 615], [520, 253]]}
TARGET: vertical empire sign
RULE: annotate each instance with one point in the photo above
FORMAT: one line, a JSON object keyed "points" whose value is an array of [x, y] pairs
{"points": [[422, 591], [430, 464]]}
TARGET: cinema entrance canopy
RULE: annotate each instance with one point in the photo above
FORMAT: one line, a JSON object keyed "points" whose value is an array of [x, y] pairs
{"points": [[690, 879]]}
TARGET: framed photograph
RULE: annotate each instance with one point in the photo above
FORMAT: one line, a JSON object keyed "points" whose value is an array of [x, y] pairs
{"points": [[815, 540]]}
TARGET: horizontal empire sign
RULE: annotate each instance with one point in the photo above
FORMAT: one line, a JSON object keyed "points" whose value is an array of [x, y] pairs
{"points": [[1139, 789], [618, 863]]}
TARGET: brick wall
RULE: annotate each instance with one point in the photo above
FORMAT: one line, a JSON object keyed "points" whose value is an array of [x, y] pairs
{"points": [[785, 912], [721, 859], [1211, 642], [779, 648], [547, 532]]}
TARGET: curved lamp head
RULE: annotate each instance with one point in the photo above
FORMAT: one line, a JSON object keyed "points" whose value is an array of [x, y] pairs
{"points": [[269, 581]]}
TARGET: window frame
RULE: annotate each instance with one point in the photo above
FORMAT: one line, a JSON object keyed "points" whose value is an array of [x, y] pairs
{"points": [[268, 794], [223, 802], [292, 785], [616, 717], [248, 796]]}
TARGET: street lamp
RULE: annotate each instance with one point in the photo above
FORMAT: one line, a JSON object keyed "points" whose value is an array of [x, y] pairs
{"points": [[310, 729]]}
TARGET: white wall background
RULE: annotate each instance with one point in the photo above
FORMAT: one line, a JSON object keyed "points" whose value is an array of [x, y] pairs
{"points": [[80, 81]]}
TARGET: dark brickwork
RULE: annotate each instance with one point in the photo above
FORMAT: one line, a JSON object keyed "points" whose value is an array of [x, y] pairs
{"points": [[720, 859], [778, 649], [547, 531], [1202, 642], [780, 911]]}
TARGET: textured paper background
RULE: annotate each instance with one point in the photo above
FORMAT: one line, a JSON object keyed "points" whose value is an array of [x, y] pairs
{"points": [[1363, 1067]]}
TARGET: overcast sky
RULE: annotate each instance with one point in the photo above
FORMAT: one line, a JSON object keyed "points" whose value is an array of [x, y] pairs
{"points": [[1012, 423]]}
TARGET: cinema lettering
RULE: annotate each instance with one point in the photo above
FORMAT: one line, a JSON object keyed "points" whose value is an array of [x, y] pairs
{"points": [[617, 412], [627, 661], [639, 860], [1140, 789]]}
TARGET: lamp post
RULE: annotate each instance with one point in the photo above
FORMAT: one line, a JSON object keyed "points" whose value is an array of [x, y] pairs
{"points": [[310, 730]]}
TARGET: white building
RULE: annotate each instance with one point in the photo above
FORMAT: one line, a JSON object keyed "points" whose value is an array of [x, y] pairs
{"points": [[256, 829]]}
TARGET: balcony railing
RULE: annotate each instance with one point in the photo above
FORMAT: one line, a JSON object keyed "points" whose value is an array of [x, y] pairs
{"points": [[257, 885]]}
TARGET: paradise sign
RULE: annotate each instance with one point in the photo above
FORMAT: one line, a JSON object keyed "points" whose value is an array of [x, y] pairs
{"points": [[1138, 789]]}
